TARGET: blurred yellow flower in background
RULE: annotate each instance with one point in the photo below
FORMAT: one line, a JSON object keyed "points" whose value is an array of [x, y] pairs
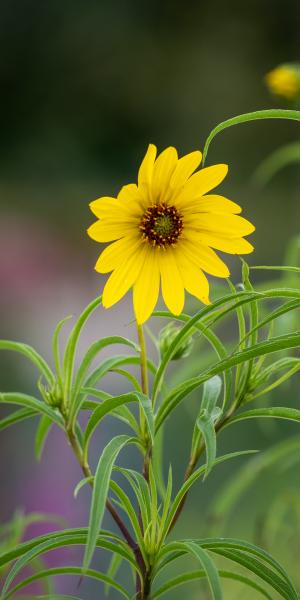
{"points": [[284, 81], [164, 230]]}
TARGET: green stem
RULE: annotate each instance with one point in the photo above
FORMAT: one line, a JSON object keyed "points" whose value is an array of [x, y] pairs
{"points": [[144, 369]]}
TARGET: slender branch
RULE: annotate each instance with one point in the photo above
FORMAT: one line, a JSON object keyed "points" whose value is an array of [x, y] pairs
{"points": [[192, 465]]}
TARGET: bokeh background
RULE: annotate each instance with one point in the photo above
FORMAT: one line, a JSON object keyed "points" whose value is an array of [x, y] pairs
{"points": [[85, 86]]}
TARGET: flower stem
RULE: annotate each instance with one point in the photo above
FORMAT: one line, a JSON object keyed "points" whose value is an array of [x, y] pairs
{"points": [[144, 369]]}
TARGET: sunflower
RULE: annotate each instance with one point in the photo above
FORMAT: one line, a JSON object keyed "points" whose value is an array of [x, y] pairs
{"points": [[164, 231]]}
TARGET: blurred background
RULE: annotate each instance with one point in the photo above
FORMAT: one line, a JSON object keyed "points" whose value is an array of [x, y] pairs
{"points": [[85, 86]]}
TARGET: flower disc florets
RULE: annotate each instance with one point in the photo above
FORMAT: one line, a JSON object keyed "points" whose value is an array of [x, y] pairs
{"points": [[161, 225]]}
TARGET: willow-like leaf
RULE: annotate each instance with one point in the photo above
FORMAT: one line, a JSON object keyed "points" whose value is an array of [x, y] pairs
{"points": [[100, 492], [28, 551], [274, 412], [32, 355], [174, 583], [31, 403], [69, 355], [68, 571], [112, 404], [262, 348], [92, 352], [273, 113], [42, 432], [209, 567], [16, 417], [56, 349]]}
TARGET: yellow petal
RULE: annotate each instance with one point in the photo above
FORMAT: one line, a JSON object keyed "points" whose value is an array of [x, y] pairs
{"points": [[193, 278], [116, 254], [226, 224], [171, 281], [204, 257], [146, 287], [113, 210], [202, 182], [163, 169], [123, 278], [230, 245], [97, 205], [184, 169], [101, 231], [131, 198], [146, 168], [211, 203]]}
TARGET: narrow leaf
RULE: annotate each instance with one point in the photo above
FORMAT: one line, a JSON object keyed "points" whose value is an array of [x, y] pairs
{"points": [[100, 491], [273, 113], [209, 567], [32, 355]]}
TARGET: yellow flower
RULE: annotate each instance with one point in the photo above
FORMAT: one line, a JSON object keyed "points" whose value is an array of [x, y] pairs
{"points": [[284, 81], [165, 228]]}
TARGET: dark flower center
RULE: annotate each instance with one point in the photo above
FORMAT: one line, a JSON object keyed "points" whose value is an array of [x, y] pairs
{"points": [[161, 225]]}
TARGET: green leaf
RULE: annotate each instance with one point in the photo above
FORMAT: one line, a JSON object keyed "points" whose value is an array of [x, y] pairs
{"points": [[55, 346], [42, 432], [273, 113], [27, 551], [206, 424], [278, 312], [81, 484], [110, 363], [69, 570], [110, 405], [166, 506], [16, 417], [276, 268], [141, 491], [92, 352], [209, 568], [275, 412], [33, 404], [69, 356], [175, 582], [32, 355], [251, 557], [100, 491], [112, 571], [261, 570], [122, 412], [127, 506], [262, 348], [157, 463]]}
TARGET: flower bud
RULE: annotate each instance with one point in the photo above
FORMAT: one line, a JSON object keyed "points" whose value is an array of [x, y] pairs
{"points": [[166, 337], [284, 81], [52, 396]]}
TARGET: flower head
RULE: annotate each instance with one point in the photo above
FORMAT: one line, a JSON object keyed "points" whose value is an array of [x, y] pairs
{"points": [[284, 81], [164, 231]]}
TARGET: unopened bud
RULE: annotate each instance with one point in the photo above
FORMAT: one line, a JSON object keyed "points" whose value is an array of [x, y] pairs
{"points": [[53, 395], [284, 81], [166, 337]]}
